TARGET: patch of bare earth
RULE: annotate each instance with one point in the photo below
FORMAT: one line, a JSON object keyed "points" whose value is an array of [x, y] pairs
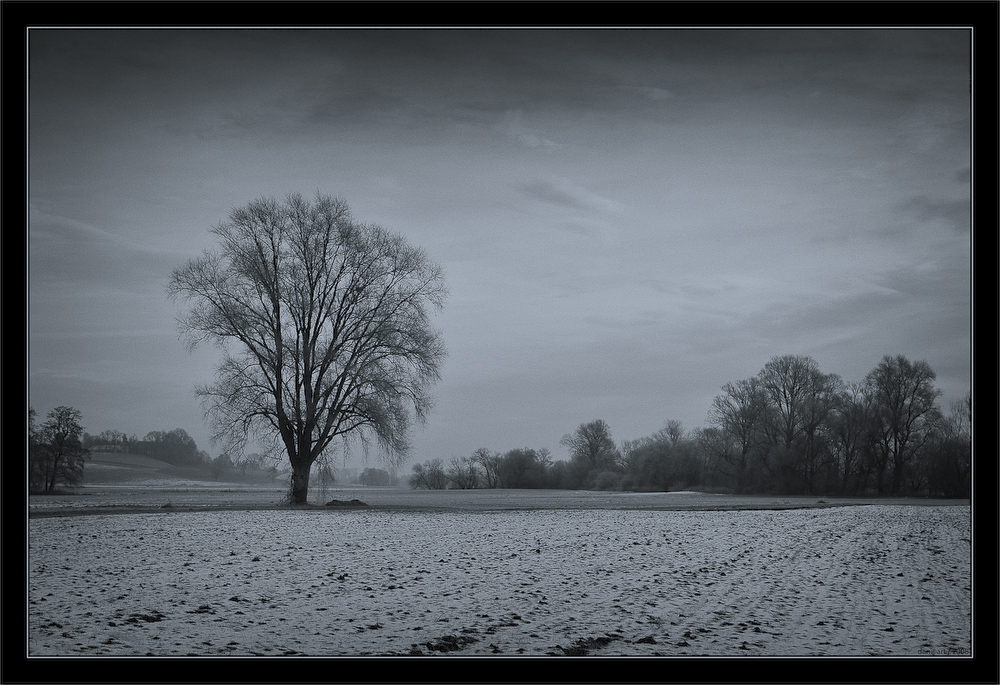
{"points": [[865, 580]]}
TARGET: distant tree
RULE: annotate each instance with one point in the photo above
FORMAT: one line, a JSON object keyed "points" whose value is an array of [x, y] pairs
{"points": [[559, 475], [659, 464], [672, 432], [324, 326], [251, 465], [961, 418], [849, 430], [174, 446], [627, 449], [36, 474], [56, 455], [800, 398], [649, 466], [785, 381], [740, 411], [545, 457], [375, 477], [816, 464], [905, 410], [712, 443], [523, 467], [665, 460], [429, 476], [106, 441], [115, 438], [463, 473], [948, 460], [592, 450], [222, 467], [489, 463]]}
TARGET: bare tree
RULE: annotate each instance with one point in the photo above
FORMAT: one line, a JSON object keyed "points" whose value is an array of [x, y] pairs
{"points": [[490, 462], [961, 417], [787, 381], [672, 432], [592, 450], [106, 441], [948, 463], [463, 473], [740, 412], [324, 325], [429, 476], [55, 449], [800, 399], [905, 406], [849, 425], [717, 447]]}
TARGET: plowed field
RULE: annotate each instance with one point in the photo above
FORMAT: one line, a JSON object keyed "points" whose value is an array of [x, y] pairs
{"points": [[880, 579]]}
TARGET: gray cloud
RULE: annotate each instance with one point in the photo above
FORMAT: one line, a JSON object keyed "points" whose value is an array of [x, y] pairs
{"points": [[955, 213]]}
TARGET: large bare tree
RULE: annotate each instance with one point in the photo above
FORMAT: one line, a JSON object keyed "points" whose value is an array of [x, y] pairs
{"points": [[324, 325]]}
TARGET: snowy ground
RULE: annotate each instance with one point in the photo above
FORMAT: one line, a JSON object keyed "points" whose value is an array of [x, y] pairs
{"points": [[850, 580]]}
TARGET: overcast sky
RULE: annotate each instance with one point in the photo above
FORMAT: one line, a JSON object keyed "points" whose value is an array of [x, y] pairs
{"points": [[627, 220]]}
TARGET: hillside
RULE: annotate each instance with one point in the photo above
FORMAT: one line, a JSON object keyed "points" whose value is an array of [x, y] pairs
{"points": [[107, 468]]}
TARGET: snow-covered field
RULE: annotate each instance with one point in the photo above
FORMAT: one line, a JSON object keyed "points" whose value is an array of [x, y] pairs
{"points": [[849, 580]]}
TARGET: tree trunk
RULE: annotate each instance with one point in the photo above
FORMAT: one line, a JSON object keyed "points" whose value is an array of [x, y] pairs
{"points": [[50, 478], [880, 480], [300, 482], [897, 478]]}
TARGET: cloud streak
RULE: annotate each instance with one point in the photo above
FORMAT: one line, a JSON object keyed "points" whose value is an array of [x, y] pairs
{"points": [[562, 192]]}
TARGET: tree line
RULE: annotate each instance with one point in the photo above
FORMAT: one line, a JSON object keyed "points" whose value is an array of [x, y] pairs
{"points": [[179, 449], [790, 429], [174, 446]]}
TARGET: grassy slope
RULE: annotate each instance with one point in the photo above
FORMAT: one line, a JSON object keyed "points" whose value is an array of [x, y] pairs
{"points": [[128, 461], [108, 467], [112, 468]]}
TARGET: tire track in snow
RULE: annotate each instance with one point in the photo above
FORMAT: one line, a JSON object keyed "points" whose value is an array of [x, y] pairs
{"points": [[750, 585]]}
